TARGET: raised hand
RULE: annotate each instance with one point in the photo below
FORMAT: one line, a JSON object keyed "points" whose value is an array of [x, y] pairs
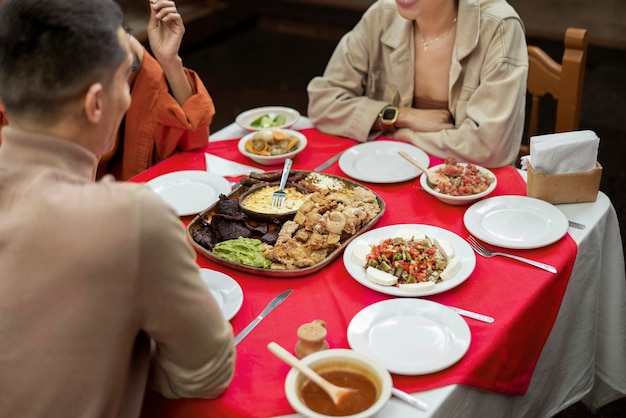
{"points": [[165, 30], [165, 34]]}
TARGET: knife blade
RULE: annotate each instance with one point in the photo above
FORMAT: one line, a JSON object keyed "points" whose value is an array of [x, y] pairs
{"points": [[328, 163], [269, 308], [576, 225]]}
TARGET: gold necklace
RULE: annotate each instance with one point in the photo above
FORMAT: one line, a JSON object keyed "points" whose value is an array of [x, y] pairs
{"points": [[426, 43]]}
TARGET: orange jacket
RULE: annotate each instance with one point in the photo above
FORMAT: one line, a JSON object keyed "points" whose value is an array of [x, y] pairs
{"points": [[156, 126]]}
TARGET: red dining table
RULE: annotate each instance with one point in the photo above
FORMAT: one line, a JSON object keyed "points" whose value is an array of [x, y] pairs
{"points": [[502, 355]]}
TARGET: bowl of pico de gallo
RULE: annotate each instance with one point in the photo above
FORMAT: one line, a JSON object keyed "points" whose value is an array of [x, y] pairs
{"points": [[466, 183]]}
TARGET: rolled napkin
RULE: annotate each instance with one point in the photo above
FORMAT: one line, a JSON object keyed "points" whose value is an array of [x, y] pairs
{"points": [[563, 153], [226, 168]]}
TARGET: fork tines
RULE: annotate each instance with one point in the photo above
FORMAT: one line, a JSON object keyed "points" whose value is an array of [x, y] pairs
{"points": [[278, 199], [478, 247]]}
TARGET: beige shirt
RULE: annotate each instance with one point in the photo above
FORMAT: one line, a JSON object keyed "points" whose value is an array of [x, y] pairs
{"points": [[93, 276], [374, 65]]}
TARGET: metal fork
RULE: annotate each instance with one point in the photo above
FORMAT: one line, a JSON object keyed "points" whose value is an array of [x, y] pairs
{"points": [[278, 197], [485, 252]]}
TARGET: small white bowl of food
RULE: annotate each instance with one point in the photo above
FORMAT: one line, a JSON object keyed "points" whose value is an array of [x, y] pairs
{"points": [[466, 183], [272, 146], [268, 117], [346, 368]]}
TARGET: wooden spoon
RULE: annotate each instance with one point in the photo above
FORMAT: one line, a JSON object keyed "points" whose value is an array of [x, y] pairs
{"points": [[338, 394], [434, 177]]}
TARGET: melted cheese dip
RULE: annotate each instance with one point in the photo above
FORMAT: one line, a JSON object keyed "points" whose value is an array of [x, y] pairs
{"points": [[261, 200]]}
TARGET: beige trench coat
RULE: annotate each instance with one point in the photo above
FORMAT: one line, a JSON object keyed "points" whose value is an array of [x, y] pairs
{"points": [[373, 66]]}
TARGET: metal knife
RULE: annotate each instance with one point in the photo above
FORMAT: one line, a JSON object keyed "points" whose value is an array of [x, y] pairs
{"points": [[269, 308], [328, 163], [576, 225]]}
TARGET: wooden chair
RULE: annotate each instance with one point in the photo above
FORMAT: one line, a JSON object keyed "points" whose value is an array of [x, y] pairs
{"points": [[564, 82]]}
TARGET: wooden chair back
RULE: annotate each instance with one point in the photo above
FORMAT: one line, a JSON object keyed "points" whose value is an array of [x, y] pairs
{"points": [[563, 81]]}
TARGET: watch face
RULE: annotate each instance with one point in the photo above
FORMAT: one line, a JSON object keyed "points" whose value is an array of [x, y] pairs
{"points": [[389, 113]]}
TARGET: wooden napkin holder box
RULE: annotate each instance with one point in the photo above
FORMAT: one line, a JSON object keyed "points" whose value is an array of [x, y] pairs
{"points": [[564, 188]]}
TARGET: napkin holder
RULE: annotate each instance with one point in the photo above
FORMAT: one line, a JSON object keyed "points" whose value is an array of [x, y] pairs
{"points": [[564, 188]]}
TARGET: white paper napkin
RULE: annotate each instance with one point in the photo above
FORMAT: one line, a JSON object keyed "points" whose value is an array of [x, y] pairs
{"points": [[226, 168], [567, 152]]}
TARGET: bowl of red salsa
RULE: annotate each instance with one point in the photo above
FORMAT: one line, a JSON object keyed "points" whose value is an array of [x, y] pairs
{"points": [[342, 367], [467, 182]]}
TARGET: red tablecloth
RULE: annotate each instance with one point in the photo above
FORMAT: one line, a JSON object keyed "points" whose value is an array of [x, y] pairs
{"points": [[524, 300]]}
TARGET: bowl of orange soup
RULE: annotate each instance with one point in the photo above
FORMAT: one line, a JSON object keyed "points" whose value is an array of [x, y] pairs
{"points": [[342, 367]]}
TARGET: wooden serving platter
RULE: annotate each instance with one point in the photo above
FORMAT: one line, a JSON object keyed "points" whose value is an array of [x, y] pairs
{"points": [[201, 219]]}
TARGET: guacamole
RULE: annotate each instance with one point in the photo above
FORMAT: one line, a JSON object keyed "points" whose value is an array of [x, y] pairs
{"points": [[245, 251]]}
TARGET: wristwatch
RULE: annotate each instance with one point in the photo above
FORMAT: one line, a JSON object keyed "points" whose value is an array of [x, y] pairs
{"points": [[388, 117]]}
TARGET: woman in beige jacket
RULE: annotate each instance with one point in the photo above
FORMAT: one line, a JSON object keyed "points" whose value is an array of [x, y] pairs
{"points": [[446, 75]]}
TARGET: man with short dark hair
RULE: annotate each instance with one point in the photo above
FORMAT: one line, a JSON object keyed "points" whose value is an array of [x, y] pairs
{"points": [[98, 286]]}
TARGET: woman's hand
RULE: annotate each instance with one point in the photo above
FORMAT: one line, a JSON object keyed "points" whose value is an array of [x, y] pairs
{"points": [[165, 30], [424, 120], [165, 34]]}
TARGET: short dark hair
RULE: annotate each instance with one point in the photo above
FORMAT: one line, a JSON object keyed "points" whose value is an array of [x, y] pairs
{"points": [[124, 6], [51, 52]]}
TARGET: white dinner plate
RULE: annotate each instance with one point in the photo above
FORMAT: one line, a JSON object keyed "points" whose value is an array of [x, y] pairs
{"points": [[518, 222], [379, 162], [190, 191], [410, 336], [375, 236], [225, 290]]}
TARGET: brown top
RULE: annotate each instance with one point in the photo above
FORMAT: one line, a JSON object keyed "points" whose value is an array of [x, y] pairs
{"points": [[94, 277], [424, 103]]}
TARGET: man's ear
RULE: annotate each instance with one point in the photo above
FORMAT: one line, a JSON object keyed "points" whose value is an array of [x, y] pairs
{"points": [[94, 103]]}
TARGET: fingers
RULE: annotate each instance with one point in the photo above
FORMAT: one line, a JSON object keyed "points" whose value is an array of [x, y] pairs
{"points": [[164, 11], [165, 30]]}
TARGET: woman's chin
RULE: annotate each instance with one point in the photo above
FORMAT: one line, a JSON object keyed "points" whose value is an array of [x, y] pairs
{"points": [[406, 8]]}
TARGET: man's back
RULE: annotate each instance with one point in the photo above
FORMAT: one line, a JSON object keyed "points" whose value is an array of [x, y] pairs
{"points": [[87, 272]]}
